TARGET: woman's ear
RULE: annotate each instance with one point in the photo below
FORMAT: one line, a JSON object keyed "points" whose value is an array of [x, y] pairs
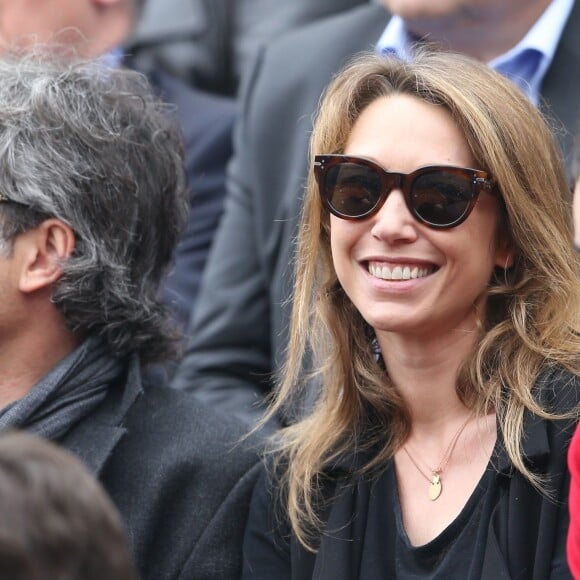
{"points": [[506, 250], [505, 257], [41, 252]]}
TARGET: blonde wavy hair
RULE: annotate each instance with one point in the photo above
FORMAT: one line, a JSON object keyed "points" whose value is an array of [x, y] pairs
{"points": [[532, 319]]}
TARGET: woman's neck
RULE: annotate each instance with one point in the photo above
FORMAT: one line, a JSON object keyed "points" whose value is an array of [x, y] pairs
{"points": [[425, 372]]}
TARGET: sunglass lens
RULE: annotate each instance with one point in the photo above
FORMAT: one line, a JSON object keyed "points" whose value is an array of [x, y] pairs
{"points": [[352, 190], [441, 198]]}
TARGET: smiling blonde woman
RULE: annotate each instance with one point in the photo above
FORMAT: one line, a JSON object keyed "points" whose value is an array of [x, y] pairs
{"points": [[437, 295]]}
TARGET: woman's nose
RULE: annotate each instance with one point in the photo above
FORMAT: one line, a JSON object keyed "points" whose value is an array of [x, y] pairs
{"points": [[394, 222]]}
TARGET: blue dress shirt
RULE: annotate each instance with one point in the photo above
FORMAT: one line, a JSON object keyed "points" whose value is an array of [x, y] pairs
{"points": [[525, 64]]}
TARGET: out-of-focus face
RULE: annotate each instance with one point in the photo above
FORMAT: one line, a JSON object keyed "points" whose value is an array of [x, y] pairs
{"points": [[427, 9], [25, 22], [577, 214], [411, 9], [483, 29], [403, 276], [92, 26]]}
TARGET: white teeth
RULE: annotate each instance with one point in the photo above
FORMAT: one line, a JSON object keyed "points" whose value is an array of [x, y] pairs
{"points": [[398, 272]]}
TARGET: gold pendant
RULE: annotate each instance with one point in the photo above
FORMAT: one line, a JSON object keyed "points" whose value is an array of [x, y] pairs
{"points": [[435, 487]]}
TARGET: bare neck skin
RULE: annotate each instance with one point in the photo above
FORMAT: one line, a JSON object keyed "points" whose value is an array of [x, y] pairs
{"points": [[29, 352], [483, 32], [425, 373]]}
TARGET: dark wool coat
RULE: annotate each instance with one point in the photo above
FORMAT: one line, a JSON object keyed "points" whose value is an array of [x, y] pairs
{"points": [[174, 471]]}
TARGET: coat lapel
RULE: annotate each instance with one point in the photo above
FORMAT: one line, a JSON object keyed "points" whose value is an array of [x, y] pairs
{"points": [[520, 510], [95, 437], [340, 552], [560, 87]]}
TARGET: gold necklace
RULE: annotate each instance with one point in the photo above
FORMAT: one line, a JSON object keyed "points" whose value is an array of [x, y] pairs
{"points": [[435, 485]]}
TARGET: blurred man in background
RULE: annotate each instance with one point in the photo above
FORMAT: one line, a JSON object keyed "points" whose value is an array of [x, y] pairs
{"points": [[210, 43]]}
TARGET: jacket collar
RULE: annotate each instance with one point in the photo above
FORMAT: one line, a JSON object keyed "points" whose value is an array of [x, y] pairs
{"points": [[559, 102], [535, 445], [94, 438]]}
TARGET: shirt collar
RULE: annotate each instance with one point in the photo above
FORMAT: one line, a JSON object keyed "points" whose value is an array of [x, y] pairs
{"points": [[395, 39], [544, 35], [540, 43], [113, 58], [542, 40]]}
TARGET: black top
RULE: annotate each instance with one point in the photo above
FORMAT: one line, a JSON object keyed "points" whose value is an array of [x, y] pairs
{"points": [[508, 529], [456, 552]]}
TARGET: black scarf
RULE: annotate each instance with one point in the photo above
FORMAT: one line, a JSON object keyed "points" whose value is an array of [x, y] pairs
{"points": [[69, 392]]}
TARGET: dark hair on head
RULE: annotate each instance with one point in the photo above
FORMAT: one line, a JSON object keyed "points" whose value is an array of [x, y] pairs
{"points": [[57, 521], [93, 147]]}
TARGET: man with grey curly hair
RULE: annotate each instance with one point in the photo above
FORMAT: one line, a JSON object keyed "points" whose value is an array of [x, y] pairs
{"points": [[92, 200], [100, 28]]}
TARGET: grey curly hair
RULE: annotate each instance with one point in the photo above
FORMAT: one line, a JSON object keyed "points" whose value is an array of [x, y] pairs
{"points": [[94, 148]]}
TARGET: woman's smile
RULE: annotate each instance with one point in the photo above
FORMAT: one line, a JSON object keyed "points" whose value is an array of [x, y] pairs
{"points": [[399, 271]]}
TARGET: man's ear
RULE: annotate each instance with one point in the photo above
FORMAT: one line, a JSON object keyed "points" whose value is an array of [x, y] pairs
{"points": [[41, 253]]}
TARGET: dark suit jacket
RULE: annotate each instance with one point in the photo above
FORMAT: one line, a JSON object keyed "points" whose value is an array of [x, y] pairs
{"points": [[526, 535], [173, 472], [210, 43], [206, 122], [240, 324]]}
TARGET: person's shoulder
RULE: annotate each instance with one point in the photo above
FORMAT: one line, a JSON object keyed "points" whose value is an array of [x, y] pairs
{"points": [[348, 32], [165, 402], [301, 61], [364, 19], [558, 389], [182, 477], [176, 424]]}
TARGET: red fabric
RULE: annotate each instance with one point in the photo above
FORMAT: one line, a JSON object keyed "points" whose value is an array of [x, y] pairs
{"points": [[573, 545]]}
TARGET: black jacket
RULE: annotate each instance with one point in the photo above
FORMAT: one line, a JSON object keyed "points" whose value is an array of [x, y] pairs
{"points": [[206, 122], [210, 43], [175, 473], [526, 536]]}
